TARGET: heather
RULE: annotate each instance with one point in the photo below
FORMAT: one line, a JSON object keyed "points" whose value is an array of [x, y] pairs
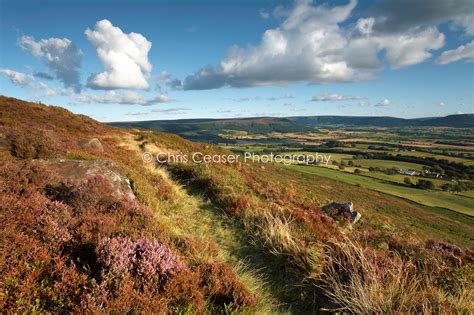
{"points": [[225, 238]]}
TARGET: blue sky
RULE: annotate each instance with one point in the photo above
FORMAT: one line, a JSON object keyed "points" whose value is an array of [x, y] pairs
{"points": [[395, 58]]}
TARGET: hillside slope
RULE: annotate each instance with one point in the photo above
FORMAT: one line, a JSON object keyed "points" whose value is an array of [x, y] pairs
{"points": [[293, 124], [202, 238]]}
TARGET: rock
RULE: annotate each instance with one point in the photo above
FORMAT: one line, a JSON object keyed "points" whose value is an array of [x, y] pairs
{"points": [[93, 144], [345, 209], [81, 169]]}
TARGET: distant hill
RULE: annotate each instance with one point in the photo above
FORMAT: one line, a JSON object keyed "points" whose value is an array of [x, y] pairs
{"points": [[199, 129]]}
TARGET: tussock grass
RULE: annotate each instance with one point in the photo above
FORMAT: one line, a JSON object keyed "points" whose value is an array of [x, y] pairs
{"points": [[364, 281], [278, 234]]}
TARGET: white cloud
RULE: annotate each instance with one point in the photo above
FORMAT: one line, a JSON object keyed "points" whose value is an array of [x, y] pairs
{"points": [[462, 52], [167, 111], [18, 78], [128, 97], [385, 102], [311, 45], [62, 58], [124, 57], [286, 96], [364, 26], [328, 97], [263, 14], [442, 104], [25, 80], [166, 79], [408, 49], [164, 111], [465, 22]]}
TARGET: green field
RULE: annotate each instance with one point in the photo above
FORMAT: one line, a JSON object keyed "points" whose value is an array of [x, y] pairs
{"points": [[399, 179], [366, 163], [446, 200]]}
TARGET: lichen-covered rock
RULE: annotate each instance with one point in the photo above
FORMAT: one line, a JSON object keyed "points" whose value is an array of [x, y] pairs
{"points": [[81, 169]]}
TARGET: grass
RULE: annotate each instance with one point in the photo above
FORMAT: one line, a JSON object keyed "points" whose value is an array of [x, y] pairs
{"points": [[357, 282], [428, 198], [398, 215], [399, 178], [198, 218], [366, 163]]}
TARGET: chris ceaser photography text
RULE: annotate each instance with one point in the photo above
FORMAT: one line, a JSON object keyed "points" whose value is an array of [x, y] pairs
{"points": [[246, 157]]}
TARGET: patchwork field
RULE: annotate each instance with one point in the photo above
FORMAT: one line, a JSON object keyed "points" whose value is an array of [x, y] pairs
{"points": [[449, 201]]}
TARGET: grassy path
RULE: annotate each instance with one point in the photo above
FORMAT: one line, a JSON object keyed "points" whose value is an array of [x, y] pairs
{"points": [[199, 218], [189, 214]]}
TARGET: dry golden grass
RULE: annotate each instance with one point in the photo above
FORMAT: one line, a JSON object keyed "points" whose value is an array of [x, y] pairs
{"points": [[365, 281]]}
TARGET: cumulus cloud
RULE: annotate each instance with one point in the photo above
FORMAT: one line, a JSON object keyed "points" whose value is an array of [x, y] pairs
{"points": [[311, 45], [462, 52], [385, 102], [127, 98], [18, 78], [124, 57], [62, 58], [400, 15], [328, 97], [166, 79], [465, 22], [25, 80]]}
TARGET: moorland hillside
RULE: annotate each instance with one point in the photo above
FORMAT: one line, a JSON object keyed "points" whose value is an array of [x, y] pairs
{"points": [[89, 226]]}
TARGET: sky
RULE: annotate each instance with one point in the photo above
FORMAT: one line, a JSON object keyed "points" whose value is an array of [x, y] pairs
{"points": [[146, 60]]}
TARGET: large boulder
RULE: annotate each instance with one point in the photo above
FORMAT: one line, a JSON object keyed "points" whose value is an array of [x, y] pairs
{"points": [[79, 170], [344, 210]]}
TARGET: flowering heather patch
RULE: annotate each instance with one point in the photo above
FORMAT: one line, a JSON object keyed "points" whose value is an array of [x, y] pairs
{"points": [[149, 262], [450, 252]]}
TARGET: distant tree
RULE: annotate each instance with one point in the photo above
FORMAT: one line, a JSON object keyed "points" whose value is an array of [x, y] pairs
{"points": [[425, 184], [350, 163], [390, 171], [438, 169], [357, 171], [447, 187], [341, 166], [333, 144], [407, 180]]}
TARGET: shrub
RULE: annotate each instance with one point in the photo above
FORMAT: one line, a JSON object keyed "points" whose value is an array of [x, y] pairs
{"points": [[29, 145], [222, 287], [149, 262], [23, 178], [425, 184]]}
